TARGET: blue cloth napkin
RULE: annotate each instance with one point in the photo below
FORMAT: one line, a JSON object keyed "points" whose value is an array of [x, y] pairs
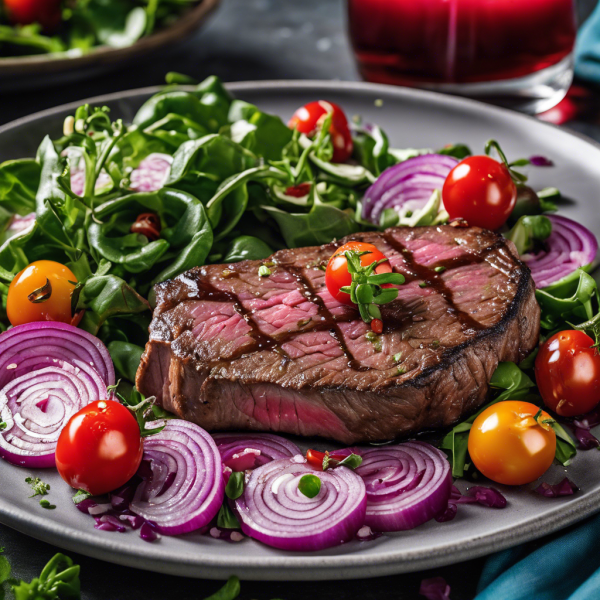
{"points": [[587, 48], [565, 568]]}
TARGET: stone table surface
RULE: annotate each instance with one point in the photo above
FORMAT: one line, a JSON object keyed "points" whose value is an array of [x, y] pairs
{"points": [[245, 40]]}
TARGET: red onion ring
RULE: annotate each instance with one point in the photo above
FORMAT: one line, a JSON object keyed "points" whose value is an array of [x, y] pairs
{"points": [[569, 247], [33, 346], [275, 512], [407, 485], [407, 185], [36, 407], [244, 451], [182, 488]]}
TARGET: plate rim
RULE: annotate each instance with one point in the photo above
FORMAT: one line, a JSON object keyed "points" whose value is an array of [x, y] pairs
{"points": [[291, 566]]}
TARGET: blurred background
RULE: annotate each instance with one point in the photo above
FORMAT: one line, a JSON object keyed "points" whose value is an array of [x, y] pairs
{"points": [[273, 39]]}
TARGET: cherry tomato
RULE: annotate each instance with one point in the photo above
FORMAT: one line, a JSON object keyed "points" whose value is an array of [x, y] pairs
{"points": [[377, 326], [100, 448], [309, 117], [337, 275], [508, 445], [24, 12], [567, 371], [41, 292], [480, 190]]}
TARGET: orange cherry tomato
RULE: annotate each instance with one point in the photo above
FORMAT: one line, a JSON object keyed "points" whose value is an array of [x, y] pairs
{"points": [[41, 292], [481, 191], [508, 445], [567, 371], [337, 275], [308, 118], [100, 448]]}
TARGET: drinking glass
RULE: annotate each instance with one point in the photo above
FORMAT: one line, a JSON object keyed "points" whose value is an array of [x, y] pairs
{"points": [[517, 53]]}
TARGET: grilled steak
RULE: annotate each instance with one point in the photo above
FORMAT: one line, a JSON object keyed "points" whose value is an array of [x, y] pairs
{"points": [[231, 350]]}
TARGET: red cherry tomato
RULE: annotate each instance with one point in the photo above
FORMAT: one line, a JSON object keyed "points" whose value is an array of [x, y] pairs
{"points": [[567, 371], [508, 445], [41, 292], [309, 117], [480, 190], [337, 275], [24, 12], [100, 448]]}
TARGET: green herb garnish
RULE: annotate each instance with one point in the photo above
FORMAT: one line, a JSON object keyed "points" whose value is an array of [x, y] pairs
{"points": [[46, 504], [2, 425], [352, 461], [80, 496], [365, 289], [309, 485], [38, 486], [235, 486], [264, 271], [226, 517], [440, 269]]}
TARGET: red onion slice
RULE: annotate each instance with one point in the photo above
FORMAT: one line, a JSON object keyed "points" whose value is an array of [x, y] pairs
{"points": [[244, 451], [275, 512], [32, 346], [569, 247], [407, 186], [36, 407], [407, 485], [182, 488], [152, 173]]}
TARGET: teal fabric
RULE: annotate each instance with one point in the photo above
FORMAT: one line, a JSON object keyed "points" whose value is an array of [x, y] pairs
{"points": [[587, 49], [564, 567]]}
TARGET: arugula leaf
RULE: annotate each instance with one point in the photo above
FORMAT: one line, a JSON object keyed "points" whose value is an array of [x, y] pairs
{"points": [[571, 300], [246, 247], [226, 518], [59, 580], [265, 135], [229, 591], [235, 486], [516, 385], [528, 230], [104, 296], [19, 181], [126, 358]]}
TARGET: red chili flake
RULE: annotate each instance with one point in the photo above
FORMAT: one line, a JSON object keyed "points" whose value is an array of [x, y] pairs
{"points": [[377, 325], [147, 224], [298, 191]]}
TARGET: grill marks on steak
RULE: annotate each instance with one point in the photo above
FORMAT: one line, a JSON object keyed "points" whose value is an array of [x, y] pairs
{"points": [[231, 350]]}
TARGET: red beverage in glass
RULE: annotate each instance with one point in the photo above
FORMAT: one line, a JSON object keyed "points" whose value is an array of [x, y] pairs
{"points": [[416, 42]]}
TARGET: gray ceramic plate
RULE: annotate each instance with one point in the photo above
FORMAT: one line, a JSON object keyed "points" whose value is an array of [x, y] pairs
{"points": [[412, 119]]}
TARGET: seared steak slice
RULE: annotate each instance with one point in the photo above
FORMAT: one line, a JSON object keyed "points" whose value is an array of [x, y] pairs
{"points": [[231, 350]]}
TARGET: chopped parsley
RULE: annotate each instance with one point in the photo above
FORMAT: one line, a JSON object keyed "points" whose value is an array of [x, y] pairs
{"points": [[397, 357], [46, 504], [2, 425], [80, 496], [423, 284], [38, 486], [401, 371], [374, 339], [440, 269], [264, 271]]}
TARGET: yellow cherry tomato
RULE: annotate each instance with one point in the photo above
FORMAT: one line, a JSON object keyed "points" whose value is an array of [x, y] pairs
{"points": [[509, 445], [41, 292]]}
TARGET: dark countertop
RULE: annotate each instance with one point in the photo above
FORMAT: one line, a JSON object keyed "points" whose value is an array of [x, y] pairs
{"points": [[245, 40]]}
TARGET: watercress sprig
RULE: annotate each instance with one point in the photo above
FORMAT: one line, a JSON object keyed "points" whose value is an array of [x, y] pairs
{"points": [[366, 288]]}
